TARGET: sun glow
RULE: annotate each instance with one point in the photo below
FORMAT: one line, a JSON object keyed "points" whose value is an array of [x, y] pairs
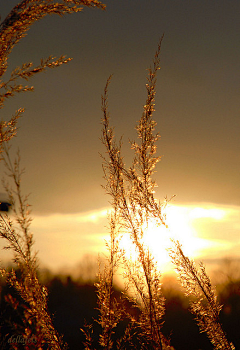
{"points": [[206, 231], [179, 226]]}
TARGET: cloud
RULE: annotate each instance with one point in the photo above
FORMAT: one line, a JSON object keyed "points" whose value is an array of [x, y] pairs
{"points": [[211, 228], [217, 223], [207, 230], [62, 239]]}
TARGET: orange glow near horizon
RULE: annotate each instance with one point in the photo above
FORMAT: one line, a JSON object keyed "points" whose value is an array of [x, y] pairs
{"points": [[179, 227], [205, 230]]}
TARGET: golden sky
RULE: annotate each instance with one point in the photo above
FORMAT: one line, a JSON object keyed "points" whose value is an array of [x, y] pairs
{"points": [[208, 232], [197, 111]]}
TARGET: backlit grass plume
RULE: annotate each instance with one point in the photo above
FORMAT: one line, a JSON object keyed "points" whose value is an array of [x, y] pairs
{"points": [[132, 197], [204, 304], [12, 30], [35, 325]]}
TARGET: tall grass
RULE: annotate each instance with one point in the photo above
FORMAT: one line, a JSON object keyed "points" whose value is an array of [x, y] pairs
{"points": [[36, 329], [134, 204]]}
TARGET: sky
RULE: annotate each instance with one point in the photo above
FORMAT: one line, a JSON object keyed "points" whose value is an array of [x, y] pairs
{"points": [[197, 114]]}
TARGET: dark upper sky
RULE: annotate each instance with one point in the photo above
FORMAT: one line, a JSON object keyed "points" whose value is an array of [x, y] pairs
{"points": [[197, 102]]}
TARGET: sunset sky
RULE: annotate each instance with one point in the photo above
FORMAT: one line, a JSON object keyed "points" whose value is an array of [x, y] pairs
{"points": [[197, 114]]}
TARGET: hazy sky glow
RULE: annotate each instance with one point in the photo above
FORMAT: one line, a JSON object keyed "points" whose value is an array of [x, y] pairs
{"points": [[208, 232], [197, 111]]}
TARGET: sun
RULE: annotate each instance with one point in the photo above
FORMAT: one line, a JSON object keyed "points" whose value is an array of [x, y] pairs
{"points": [[178, 226]]}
